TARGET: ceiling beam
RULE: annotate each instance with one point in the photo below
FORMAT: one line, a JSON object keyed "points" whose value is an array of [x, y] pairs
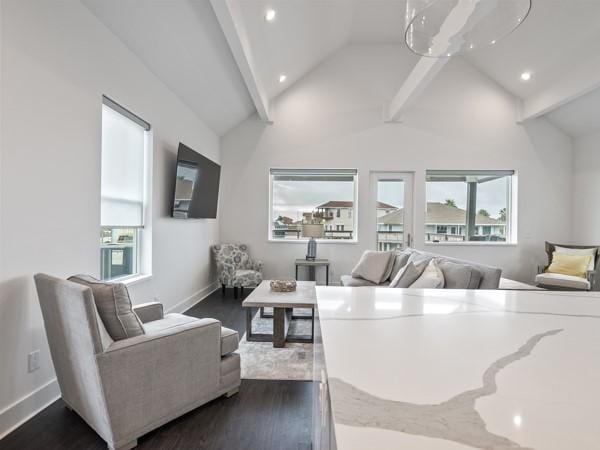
{"points": [[580, 80], [463, 17], [229, 16], [419, 78]]}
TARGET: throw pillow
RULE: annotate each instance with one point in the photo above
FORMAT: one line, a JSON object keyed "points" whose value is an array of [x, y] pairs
{"points": [[373, 266], [579, 252], [114, 307], [408, 274], [459, 276], [431, 278], [575, 265], [400, 260]]}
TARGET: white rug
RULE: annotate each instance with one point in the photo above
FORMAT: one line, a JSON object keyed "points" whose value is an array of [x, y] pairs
{"points": [[261, 361]]}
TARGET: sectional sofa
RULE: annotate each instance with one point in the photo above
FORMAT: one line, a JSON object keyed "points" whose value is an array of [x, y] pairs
{"points": [[490, 276]]}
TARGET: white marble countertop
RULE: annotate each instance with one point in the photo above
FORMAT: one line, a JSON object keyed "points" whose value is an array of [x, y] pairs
{"points": [[449, 369]]}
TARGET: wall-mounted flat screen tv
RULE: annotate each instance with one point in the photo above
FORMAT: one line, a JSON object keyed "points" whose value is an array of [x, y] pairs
{"points": [[196, 186]]}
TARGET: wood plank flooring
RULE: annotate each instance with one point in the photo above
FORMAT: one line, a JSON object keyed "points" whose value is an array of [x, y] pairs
{"points": [[264, 415]]}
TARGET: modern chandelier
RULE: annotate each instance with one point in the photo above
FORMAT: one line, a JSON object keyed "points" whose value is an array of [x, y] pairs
{"points": [[442, 28]]}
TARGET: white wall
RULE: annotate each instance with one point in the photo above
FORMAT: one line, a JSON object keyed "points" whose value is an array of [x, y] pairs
{"points": [[333, 118], [586, 190], [57, 61]]}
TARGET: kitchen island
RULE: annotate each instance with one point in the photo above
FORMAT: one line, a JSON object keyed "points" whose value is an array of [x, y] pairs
{"points": [[451, 369]]}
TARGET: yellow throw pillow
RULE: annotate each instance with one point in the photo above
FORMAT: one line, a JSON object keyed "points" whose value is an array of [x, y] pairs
{"points": [[574, 265]]}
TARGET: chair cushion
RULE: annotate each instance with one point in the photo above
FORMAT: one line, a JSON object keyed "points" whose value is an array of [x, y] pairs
{"points": [[349, 281], [169, 321], [374, 266], [246, 278], [229, 341], [459, 276], [431, 278], [560, 280], [236, 254], [575, 265], [579, 251], [114, 307]]}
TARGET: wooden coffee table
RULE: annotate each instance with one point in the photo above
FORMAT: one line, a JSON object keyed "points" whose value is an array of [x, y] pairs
{"points": [[283, 304]]}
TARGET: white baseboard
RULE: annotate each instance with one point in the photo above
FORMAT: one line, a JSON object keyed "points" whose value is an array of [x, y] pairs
{"points": [[13, 416], [197, 297], [16, 414]]}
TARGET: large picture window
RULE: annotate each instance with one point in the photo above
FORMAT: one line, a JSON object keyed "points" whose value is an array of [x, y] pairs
{"points": [[469, 206], [322, 197], [125, 171]]}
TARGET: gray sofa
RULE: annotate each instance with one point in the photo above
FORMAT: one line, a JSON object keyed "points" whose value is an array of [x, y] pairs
{"points": [[490, 276], [125, 388]]}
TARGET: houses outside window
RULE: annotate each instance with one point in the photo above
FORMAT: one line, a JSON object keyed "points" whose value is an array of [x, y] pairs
{"points": [[322, 196], [469, 206], [125, 172], [390, 209]]}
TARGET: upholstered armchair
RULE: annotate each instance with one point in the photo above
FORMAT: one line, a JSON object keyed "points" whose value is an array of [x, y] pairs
{"points": [[558, 281], [125, 388], [235, 267]]}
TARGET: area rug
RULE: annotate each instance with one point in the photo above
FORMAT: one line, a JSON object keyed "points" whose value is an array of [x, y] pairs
{"points": [[261, 361]]}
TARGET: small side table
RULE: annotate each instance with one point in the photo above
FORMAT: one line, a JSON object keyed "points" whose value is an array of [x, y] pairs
{"points": [[312, 264]]}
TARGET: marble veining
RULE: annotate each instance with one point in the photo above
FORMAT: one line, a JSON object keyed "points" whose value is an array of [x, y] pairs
{"points": [[455, 419], [413, 368]]}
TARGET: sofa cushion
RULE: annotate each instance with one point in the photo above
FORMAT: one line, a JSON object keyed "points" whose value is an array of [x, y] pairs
{"points": [[349, 281], [459, 276], [114, 307], [431, 278], [562, 281], [409, 274], [373, 266], [229, 341], [400, 260], [490, 276]]}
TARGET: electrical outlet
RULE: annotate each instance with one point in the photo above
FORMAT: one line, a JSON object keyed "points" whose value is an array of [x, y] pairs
{"points": [[33, 361]]}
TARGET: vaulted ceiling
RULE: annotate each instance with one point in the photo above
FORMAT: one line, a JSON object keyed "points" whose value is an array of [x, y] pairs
{"points": [[182, 43]]}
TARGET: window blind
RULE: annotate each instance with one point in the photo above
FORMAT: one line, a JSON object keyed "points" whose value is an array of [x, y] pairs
{"points": [[122, 188]]}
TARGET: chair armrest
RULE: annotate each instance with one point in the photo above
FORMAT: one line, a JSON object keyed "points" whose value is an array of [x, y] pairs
{"points": [[152, 376], [255, 265], [591, 277], [147, 312], [225, 273]]}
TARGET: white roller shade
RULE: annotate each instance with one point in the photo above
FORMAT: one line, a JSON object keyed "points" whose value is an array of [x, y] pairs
{"points": [[122, 170]]}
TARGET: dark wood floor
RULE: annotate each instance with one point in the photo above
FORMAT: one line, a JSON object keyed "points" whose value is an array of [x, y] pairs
{"points": [[264, 415]]}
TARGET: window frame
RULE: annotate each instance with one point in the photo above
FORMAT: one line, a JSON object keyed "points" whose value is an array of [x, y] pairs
{"points": [[271, 171], [511, 207], [143, 257]]}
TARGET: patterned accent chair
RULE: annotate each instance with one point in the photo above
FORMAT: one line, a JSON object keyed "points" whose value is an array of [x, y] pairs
{"points": [[235, 268]]}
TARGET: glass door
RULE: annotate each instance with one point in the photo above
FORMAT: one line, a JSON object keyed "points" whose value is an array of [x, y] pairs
{"points": [[392, 206]]}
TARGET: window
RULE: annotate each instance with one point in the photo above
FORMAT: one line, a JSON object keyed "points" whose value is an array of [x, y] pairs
{"points": [[469, 206], [313, 196], [124, 193], [390, 212]]}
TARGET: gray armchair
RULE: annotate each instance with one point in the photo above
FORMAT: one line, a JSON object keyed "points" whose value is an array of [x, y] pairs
{"points": [[124, 389], [235, 268], [562, 282]]}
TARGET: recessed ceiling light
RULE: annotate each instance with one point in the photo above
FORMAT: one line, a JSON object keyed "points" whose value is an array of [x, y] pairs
{"points": [[517, 420], [282, 78], [270, 15], [526, 76]]}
